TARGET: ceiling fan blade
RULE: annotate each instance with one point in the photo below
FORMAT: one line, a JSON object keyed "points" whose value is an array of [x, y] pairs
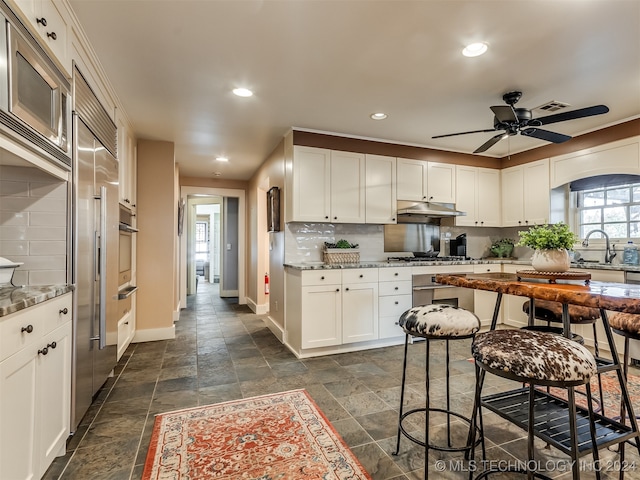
{"points": [[490, 143], [464, 133], [580, 113], [545, 135], [504, 113]]}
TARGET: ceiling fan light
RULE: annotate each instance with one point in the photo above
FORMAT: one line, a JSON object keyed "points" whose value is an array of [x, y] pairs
{"points": [[475, 49]]}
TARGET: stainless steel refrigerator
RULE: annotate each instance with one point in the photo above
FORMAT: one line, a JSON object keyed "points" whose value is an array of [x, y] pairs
{"points": [[95, 243]]}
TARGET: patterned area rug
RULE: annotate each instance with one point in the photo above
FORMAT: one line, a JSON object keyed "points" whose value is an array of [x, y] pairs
{"points": [[282, 436]]}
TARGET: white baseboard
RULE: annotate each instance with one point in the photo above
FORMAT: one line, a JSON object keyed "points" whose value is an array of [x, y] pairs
{"points": [[257, 309], [154, 334], [276, 329]]}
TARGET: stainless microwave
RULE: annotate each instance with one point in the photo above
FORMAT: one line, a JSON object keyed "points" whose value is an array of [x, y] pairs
{"points": [[35, 101]]}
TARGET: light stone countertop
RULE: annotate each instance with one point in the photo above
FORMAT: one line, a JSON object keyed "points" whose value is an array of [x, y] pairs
{"points": [[13, 299], [481, 261]]}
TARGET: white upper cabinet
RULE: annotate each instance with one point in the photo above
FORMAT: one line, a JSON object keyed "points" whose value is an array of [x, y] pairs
{"points": [[380, 189], [478, 194], [418, 180], [526, 194], [51, 22], [347, 187], [328, 186], [127, 165]]}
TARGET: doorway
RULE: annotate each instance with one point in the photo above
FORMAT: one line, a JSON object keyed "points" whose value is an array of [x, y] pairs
{"points": [[214, 233]]}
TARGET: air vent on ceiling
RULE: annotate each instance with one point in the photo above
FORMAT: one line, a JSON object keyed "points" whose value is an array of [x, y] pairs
{"points": [[552, 106]]}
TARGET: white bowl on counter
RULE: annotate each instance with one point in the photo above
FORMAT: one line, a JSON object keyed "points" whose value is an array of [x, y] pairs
{"points": [[7, 267]]}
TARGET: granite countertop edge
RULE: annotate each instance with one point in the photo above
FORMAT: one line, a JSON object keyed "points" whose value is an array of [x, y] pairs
{"points": [[481, 261], [13, 299]]}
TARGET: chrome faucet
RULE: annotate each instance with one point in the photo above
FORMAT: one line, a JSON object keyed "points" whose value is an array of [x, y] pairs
{"points": [[609, 254]]}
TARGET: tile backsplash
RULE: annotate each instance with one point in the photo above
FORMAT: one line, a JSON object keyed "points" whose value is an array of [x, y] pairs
{"points": [[304, 241], [33, 224]]}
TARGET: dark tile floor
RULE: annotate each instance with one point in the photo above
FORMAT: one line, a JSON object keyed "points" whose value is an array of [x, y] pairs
{"points": [[222, 351]]}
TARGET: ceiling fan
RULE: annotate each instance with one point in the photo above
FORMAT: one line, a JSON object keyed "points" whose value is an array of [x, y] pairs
{"points": [[520, 120]]}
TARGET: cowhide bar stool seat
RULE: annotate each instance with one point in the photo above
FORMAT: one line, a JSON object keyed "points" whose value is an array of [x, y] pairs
{"points": [[551, 312], [435, 322], [537, 358]]}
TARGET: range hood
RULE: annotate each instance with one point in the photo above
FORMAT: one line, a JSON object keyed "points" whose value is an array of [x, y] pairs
{"points": [[422, 212]]}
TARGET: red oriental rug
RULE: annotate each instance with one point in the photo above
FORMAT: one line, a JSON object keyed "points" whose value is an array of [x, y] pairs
{"points": [[281, 436]]}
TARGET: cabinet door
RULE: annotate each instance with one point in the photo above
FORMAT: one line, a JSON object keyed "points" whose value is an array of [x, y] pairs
{"points": [[311, 187], [54, 395], [359, 312], [512, 197], [512, 304], [18, 441], [322, 316], [536, 192], [488, 195], [411, 179], [380, 189], [441, 182], [347, 187], [466, 198]]}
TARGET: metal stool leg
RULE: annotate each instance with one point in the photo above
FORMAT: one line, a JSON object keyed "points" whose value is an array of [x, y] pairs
{"points": [[404, 377]]}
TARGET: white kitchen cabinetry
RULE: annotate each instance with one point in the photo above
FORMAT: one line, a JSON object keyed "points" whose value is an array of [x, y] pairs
{"points": [[50, 21], [126, 165], [380, 189], [127, 323], [328, 186], [484, 302], [35, 387], [526, 194], [347, 187], [478, 194], [359, 305], [320, 314], [422, 181], [394, 298]]}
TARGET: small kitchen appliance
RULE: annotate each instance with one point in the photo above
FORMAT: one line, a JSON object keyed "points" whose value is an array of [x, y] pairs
{"points": [[458, 245]]}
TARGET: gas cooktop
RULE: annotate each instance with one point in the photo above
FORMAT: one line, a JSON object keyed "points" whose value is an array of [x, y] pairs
{"points": [[428, 259]]}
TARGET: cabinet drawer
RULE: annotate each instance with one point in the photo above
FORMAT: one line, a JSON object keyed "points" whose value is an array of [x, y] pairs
{"points": [[360, 275], [29, 325], [490, 267], [394, 273], [321, 277], [394, 288], [388, 327], [394, 306]]}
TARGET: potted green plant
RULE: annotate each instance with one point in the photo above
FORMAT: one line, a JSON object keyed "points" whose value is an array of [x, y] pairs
{"points": [[551, 244], [502, 248]]}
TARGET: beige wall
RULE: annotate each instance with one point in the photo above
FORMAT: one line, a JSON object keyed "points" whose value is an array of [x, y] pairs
{"points": [[157, 205], [270, 174]]}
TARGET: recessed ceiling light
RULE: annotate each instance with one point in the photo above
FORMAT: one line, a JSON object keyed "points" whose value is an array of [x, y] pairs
{"points": [[475, 49], [242, 92], [222, 159], [379, 116]]}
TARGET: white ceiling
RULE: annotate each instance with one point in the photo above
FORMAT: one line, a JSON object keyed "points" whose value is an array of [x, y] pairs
{"points": [[327, 65]]}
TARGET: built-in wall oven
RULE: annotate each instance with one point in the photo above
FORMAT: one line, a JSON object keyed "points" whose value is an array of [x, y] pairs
{"points": [[126, 231], [427, 291]]}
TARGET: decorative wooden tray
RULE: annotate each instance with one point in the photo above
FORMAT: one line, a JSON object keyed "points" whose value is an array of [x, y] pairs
{"points": [[554, 276]]}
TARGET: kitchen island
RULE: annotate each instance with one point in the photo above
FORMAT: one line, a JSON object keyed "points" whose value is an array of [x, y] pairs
{"points": [[551, 411]]}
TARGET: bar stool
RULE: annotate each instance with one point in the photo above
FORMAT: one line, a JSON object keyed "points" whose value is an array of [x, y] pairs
{"points": [[536, 358], [551, 312], [435, 322], [628, 326]]}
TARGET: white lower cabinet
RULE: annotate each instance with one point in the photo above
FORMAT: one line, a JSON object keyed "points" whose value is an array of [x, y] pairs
{"points": [[359, 312], [35, 389], [321, 316], [394, 298], [512, 313]]}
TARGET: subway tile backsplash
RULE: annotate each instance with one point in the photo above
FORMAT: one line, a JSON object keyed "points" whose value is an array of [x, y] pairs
{"points": [[33, 224]]}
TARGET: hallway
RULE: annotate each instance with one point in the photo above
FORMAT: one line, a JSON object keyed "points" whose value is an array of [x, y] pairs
{"points": [[222, 351]]}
